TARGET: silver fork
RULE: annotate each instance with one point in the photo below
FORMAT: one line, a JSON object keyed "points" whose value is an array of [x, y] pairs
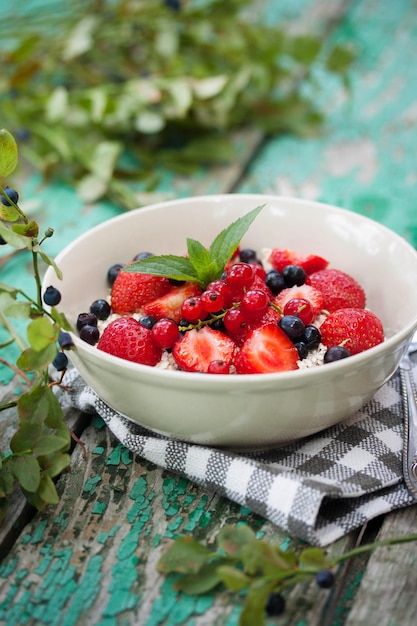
{"points": [[409, 394]]}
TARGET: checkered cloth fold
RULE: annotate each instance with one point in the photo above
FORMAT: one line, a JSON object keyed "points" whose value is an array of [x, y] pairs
{"points": [[317, 489]]}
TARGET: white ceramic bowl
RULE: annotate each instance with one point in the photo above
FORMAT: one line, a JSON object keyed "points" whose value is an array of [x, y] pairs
{"points": [[244, 410]]}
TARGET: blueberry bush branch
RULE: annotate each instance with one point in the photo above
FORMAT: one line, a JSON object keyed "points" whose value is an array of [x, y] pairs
{"points": [[38, 449], [242, 563]]}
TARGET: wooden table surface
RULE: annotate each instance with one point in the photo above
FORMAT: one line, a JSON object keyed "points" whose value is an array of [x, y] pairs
{"points": [[91, 559]]}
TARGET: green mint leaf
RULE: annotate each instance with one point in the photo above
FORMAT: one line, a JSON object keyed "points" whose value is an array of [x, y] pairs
{"points": [[168, 265], [8, 153], [227, 241], [202, 266]]}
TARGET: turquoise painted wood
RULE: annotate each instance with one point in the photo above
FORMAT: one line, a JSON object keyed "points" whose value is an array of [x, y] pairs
{"points": [[91, 559]]}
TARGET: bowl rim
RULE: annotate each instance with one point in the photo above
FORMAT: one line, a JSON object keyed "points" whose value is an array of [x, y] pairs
{"points": [[283, 378]]}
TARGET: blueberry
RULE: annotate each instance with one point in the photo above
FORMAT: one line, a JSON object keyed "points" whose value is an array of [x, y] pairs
{"points": [[175, 5], [275, 281], [100, 308], [2, 241], [12, 194], [52, 296], [294, 275], [65, 340], [325, 579], [60, 362], [142, 255], [335, 353], [292, 326], [301, 349], [311, 337], [86, 319], [113, 272], [275, 605], [218, 325], [148, 321], [90, 334], [247, 255]]}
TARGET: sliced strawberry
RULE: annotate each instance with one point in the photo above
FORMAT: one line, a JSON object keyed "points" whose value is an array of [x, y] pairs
{"points": [[267, 349], [169, 305], [355, 329], [126, 338], [131, 291], [305, 292], [198, 348], [340, 290], [281, 257]]}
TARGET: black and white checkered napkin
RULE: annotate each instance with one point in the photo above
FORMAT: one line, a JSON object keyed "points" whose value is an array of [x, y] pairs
{"points": [[317, 489]]}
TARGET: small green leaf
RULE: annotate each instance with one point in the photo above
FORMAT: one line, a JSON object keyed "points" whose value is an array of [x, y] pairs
{"points": [[206, 579], [41, 333], [28, 230], [254, 609], [27, 471], [8, 153], [32, 406], [19, 310], [54, 464], [185, 556], [231, 538], [47, 444], [60, 319], [47, 490], [313, 558], [9, 213], [25, 436], [233, 578], [31, 360], [49, 261]]}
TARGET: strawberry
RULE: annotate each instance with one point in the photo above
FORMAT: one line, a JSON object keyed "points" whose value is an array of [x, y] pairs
{"points": [[280, 258], [131, 291], [339, 290], [126, 338], [169, 304], [355, 329], [198, 348], [305, 292], [266, 349]]}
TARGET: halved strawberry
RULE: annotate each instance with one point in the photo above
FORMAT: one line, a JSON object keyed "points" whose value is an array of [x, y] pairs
{"points": [[126, 338], [198, 348], [306, 292], [131, 291], [280, 257], [340, 290], [169, 305], [355, 329], [266, 349]]}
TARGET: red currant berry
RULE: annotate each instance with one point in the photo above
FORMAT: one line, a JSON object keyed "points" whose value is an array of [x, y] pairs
{"points": [[165, 333], [254, 304], [240, 276], [218, 367], [192, 309], [301, 308], [258, 270], [221, 287], [234, 321], [212, 301]]}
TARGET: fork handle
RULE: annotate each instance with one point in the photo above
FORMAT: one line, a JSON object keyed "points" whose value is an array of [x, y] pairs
{"points": [[410, 427]]}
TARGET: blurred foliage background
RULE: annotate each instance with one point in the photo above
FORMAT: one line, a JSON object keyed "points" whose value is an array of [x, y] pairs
{"points": [[103, 94]]}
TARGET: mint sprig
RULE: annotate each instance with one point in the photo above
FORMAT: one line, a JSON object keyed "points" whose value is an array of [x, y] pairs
{"points": [[202, 265]]}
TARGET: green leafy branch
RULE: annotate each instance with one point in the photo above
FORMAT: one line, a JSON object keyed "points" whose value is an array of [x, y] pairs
{"points": [[38, 450], [108, 93], [258, 569]]}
